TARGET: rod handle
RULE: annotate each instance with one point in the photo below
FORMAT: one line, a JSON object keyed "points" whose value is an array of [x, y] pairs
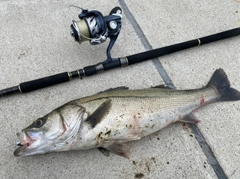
{"points": [[44, 82]]}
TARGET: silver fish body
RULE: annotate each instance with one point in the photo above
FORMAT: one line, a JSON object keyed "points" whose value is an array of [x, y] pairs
{"points": [[109, 119]]}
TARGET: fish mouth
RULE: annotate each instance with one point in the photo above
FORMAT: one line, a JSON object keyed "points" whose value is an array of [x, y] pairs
{"points": [[24, 143], [21, 149]]}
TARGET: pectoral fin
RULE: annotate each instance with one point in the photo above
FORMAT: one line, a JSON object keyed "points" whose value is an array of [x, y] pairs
{"points": [[99, 113], [190, 118]]}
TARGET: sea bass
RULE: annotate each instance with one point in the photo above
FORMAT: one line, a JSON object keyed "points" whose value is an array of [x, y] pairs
{"points": [[110, 119]]}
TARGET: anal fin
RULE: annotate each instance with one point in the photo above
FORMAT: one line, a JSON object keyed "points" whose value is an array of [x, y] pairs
{"points": [[190, 118]]}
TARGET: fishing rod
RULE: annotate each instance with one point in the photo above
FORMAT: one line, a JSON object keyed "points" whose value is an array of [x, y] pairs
{"points": [[96, 28]]}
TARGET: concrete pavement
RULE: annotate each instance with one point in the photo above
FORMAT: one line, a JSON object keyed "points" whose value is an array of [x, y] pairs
{"points": [[35, 42]]}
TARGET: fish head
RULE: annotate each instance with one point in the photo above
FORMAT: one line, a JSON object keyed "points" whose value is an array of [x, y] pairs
{"points": [[53, 132]]}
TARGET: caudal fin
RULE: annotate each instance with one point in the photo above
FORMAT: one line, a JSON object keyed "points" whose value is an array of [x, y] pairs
{"points": [[221, 83]]}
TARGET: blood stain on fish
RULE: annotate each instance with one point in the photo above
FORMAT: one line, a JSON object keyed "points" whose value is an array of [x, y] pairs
{"points": [[202, 100], [185, 126]]}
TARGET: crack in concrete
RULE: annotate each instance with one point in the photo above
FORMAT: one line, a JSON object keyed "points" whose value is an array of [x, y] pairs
{"points": [[198, 135], [145, 43]]}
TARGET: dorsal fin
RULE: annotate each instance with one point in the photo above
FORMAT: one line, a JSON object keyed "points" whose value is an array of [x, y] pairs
{"points": [[115, 89], [165, 86], [99, 113]]}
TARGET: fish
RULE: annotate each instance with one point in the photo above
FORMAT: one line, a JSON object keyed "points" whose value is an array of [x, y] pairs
{"points": [[110, 119]]}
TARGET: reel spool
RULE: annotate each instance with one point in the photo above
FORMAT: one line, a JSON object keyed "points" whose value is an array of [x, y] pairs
{"points": [[96, 28]]}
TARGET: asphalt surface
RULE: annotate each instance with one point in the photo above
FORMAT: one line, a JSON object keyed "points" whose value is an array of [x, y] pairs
{"points": [[35, 42]]}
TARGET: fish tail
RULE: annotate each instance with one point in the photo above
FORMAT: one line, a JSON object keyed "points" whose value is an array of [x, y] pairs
{"points": [[220, 82]]}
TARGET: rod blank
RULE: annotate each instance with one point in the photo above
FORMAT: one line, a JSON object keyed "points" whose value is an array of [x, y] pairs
{"points": [[182, 46]]}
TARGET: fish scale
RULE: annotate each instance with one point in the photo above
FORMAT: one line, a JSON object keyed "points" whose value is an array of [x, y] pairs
{"points": [[151, 114]]}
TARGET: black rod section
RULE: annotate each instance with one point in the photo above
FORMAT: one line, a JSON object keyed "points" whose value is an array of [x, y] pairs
{"points": [[181, 46], [120, 62]]}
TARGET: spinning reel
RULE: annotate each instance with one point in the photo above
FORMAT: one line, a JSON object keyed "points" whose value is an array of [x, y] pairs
{"points": [[96, 28]]}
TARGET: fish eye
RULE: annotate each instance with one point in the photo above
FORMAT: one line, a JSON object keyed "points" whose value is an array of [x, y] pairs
{"points": [[39, 123]]}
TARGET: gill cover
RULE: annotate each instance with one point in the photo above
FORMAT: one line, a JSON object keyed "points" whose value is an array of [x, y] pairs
{"points": [[54, 132]]}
